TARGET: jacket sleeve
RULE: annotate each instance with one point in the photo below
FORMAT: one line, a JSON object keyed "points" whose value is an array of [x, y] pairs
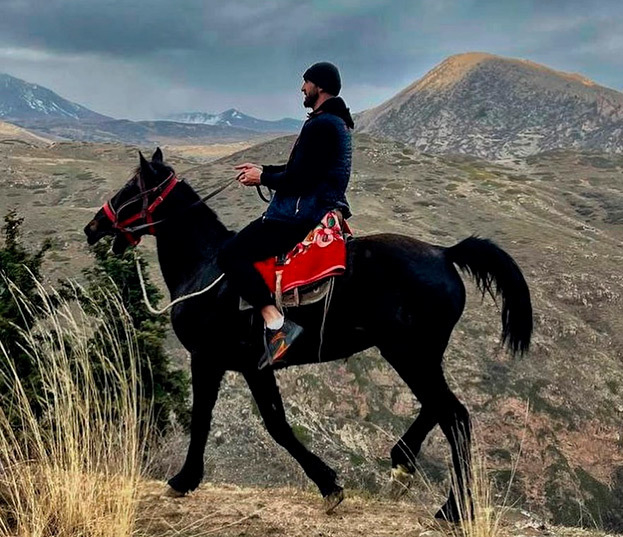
{"points": [[311, 161], [269, 168]]}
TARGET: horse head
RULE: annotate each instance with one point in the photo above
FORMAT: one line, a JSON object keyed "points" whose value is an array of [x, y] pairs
{"points": [[129, 214]]}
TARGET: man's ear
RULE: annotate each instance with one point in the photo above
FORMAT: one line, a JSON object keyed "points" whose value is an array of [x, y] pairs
{"points": [[157, 156]]}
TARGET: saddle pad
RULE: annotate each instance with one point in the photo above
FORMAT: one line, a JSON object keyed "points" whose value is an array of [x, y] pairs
{"points": [[320, 255], [299, 296]]}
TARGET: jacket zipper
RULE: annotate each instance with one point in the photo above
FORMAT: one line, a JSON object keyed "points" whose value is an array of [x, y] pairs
{"points": [[297, 205]]}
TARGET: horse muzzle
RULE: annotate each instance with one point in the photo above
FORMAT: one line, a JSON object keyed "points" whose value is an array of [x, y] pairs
{"points": [[94, 232]]}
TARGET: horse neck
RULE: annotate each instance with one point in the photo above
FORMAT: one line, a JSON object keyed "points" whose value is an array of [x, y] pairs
{"points": [[188, 242]]}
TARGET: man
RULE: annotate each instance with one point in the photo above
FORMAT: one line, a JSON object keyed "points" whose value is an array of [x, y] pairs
{"points": [[313, 182]]}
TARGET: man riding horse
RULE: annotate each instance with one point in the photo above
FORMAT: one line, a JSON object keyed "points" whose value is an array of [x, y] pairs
{"points": [[313, 182]]}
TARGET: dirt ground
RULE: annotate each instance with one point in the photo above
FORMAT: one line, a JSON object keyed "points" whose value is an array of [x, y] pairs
{"points": [[228, 511]]}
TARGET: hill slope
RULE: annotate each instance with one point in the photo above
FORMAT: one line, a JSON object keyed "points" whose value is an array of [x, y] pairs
{"points": [[496, 107], [554, 415], [11, 134]]}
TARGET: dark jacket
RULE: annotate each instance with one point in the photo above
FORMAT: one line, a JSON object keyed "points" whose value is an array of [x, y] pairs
{"points": [[316, 176]]}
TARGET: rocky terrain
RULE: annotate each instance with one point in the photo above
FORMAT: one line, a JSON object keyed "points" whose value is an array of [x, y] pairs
{"points": [[547, 425], [495, 107]]}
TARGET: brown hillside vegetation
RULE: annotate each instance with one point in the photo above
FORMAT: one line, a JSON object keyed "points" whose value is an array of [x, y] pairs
{"points": [[554, 414], [12, 134]]}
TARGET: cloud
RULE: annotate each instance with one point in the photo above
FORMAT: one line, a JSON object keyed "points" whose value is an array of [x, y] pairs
{"points": [[133, 58]]}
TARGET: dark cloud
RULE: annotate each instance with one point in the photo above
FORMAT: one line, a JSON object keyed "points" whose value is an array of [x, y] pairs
{"points": [[136, 58]]}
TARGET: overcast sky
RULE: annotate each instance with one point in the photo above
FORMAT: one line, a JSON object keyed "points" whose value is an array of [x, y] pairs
{"points": [[144, 59]]}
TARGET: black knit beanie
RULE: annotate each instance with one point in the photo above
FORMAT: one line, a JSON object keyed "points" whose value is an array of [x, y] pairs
{"points": [[326, 76]]}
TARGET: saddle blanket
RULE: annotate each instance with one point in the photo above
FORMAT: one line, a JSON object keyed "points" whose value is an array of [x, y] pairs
{"points": [[321, 254]]}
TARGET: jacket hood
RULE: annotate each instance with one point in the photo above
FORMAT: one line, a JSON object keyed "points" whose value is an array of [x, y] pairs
{"points": [[337, 107]]}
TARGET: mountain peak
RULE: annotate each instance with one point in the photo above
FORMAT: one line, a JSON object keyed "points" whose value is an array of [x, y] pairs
{"points": [[491, 106], [235, 118], [21, 100], [455, 68]]}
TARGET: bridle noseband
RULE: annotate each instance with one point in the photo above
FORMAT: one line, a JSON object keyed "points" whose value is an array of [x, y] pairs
{"points": [[147, 210]]}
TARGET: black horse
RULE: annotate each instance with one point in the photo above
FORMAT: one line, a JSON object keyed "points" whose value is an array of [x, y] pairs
{"points": [[398, 294]]}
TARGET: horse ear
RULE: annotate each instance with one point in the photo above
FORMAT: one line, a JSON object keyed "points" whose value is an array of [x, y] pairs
{"points": [[157, 156], [145, 165]]}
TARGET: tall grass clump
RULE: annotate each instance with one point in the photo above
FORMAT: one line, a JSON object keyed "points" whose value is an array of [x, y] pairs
{"points": [[479, 515], [71, 460]]}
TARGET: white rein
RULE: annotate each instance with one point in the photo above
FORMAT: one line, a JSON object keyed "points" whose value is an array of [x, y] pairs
{"points": [[153, 310]]}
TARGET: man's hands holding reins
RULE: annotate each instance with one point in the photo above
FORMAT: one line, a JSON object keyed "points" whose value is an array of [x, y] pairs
{"points": [[249, 174]]}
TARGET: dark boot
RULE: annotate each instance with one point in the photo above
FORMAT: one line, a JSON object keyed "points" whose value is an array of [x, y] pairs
{"points": [[277, 343]]}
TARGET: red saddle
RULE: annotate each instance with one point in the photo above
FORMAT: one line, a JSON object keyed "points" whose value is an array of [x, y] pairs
{"points": [[320, 255]]}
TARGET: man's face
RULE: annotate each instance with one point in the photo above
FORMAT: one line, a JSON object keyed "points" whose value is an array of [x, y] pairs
{"points": [[311, 92]]}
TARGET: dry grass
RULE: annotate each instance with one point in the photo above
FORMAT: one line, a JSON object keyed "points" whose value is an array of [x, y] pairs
{"points": [[74, 470]]}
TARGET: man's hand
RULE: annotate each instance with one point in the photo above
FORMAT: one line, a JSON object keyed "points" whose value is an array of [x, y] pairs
{"points": [[249, 173]]}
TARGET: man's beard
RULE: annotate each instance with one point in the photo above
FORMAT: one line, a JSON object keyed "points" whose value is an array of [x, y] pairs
{"points": [[310, 99]]}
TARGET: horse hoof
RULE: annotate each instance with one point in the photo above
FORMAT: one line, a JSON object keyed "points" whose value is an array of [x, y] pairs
{"points": [[172, 493], [400, 482], [333, 500]]}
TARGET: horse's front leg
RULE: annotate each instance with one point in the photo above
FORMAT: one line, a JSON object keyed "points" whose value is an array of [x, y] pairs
{"points": [[268, 399], [206, 380]]}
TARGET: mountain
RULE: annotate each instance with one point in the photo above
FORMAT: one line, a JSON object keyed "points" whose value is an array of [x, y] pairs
{"points": [[21, 100], [495, 107], [235, 118], [138, 132], [42, 111]]}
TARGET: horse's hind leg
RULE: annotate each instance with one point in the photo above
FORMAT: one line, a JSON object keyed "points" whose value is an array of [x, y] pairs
{"points": [[405, 451], [456, 426], [268, 399], [439, 405]]}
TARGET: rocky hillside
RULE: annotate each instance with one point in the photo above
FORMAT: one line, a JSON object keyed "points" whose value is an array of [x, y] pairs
{"points": [[495, 107], [20, 100], [548, 424]]}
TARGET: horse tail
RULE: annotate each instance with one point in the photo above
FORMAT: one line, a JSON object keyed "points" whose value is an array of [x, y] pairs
{"points": [[496, 273]]}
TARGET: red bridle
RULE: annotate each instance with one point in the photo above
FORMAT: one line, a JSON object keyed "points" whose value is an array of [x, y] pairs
{"points": [[146, 212]]}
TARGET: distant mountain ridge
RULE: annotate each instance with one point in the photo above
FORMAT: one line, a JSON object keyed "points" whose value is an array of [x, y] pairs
{"points": [[139, 132], [42, 111], [20, 100], [235, 118], [495, 107]]}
